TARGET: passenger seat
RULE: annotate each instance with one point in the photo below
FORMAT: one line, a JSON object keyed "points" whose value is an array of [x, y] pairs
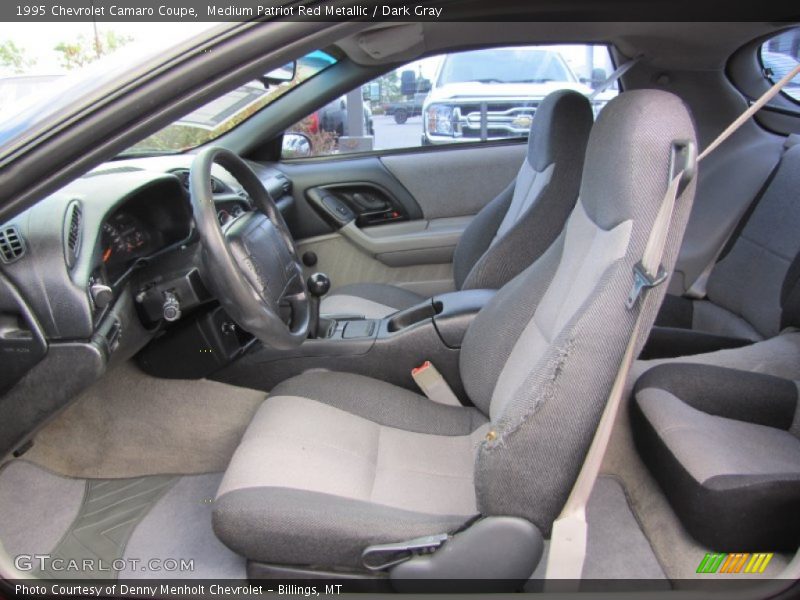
{"points": [[749, 286], [515, 228], [724, 445]]}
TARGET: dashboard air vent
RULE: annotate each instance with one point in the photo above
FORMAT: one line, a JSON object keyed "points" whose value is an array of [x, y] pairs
{"points": [[12, 246], [72, 232]]}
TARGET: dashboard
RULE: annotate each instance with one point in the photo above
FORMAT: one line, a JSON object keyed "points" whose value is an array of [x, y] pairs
{"points": [[100, 259], [95, 272]]}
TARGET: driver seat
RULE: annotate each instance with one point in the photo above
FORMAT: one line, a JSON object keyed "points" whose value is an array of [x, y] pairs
{"points": [[333, 462], [513, 230]]}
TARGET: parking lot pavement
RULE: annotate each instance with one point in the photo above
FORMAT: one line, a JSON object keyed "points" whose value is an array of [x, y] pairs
{"points": [[389, 134]]}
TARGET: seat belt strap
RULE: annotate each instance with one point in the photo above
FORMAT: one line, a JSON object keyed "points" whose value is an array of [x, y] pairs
{"points": [[746, 115], [697, 290], [568, 539], [615, 76]]}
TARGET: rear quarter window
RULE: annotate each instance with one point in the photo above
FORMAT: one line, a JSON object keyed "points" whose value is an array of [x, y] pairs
{"points": [[779, 55]]}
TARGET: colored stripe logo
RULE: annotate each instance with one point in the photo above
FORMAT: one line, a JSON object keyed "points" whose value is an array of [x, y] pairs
{"points": [[739, 562]]}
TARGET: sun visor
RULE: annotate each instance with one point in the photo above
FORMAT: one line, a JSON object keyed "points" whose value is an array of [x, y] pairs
{"points": [[395, 41]]}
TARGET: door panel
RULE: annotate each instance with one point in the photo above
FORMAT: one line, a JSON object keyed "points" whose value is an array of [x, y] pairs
{"points": [[413, 242], [312, 174], [457, 182], [345, 263], [394, 219]]}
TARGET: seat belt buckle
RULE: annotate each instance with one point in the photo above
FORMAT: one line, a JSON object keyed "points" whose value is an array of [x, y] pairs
{"points": [[642, 280], [384, 556], [433, 385]]}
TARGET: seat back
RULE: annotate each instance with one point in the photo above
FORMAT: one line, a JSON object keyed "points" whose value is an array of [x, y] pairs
{"points": [[518, 226], [542, 357], [748, 278]]}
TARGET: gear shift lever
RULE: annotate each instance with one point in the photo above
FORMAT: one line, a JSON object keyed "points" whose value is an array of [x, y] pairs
{"points": [[318, 285]]}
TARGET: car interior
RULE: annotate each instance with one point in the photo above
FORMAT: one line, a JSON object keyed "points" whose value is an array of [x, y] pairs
{"points": [[396, 365]]}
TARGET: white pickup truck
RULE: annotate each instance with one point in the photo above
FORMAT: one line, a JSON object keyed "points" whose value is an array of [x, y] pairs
{"points": [[492, 94]]}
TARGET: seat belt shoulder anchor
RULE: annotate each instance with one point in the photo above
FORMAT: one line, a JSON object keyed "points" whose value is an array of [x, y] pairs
{"points": [[683, 160], [642, 280]]}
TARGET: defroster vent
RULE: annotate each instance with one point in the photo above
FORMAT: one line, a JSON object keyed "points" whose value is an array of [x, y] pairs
{"points": [[73, 232]]}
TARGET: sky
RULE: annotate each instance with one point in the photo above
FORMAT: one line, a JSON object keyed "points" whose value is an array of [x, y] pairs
{"points": [[39, 39]]}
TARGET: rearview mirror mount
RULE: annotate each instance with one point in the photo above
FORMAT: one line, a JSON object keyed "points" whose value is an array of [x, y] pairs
{"points": [[280, 75]]}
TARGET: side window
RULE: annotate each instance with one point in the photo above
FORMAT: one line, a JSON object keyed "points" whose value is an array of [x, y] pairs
{"points": [[464, 97], [779, 55]]}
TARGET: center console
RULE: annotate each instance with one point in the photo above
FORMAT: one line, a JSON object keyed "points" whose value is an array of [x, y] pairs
{"points": [[387, 349]]}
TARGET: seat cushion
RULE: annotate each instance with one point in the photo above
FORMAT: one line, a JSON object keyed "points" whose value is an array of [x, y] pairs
{"points": [[315, 482], [369, 300], [723, 444]]}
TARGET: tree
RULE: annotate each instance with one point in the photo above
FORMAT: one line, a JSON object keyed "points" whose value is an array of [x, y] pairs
{"points": [[83, 51], [13, 57]]}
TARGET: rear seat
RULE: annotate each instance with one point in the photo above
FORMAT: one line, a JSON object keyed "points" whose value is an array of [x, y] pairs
{"points": [[724, 443], [747, 289]]}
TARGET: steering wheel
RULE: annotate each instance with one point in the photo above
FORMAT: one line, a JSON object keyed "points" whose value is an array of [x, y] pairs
{"points": [[250, 263]]}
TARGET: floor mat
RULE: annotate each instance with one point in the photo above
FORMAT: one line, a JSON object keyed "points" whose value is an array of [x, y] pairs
{"points": [[143, 527], [129, 424], [616, 547]]}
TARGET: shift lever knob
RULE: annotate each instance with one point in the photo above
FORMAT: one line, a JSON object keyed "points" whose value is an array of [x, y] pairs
{"points": [[318, 284]]}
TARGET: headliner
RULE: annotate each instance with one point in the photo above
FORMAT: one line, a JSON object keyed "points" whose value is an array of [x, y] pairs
{"points": [[669, 45]]}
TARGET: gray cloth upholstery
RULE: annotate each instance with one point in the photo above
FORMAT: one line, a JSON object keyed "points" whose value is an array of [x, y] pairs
{"points": [[719, 391], [297, 527], [397, 406], [491, 337], [515, 228], [547, 422], [748, 281], [411, 470], [748, 289], [544, 386], [558, 138], [479, 234], [723, 445]]}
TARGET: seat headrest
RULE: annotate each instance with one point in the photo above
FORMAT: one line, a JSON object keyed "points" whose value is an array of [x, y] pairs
{"points": [[562, 118], [628, 158]]}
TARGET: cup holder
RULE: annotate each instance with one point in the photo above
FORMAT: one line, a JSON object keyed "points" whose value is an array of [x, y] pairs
{"points": [[415, 314]]}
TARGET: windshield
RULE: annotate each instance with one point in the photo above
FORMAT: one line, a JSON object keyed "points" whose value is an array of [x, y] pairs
{"points": [[226, 112], [505, 65]]}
